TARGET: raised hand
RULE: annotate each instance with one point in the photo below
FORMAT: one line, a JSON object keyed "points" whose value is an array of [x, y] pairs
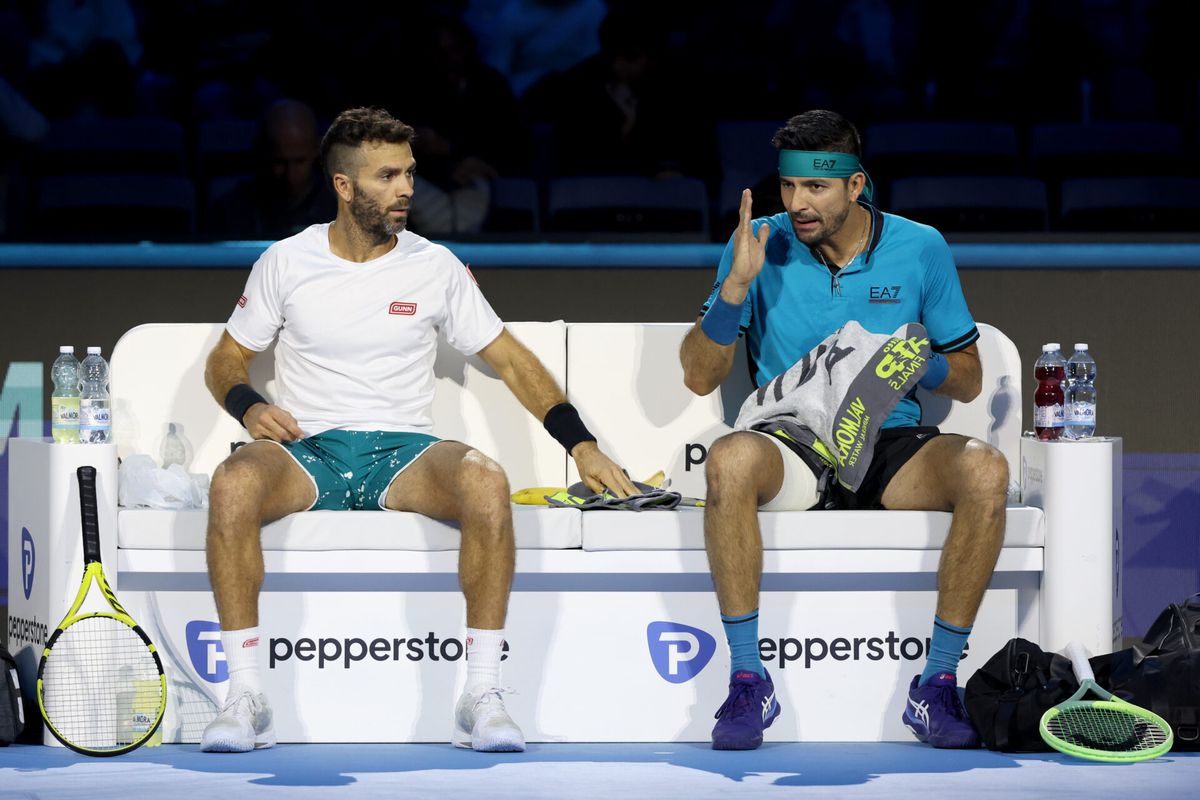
{"points": [[749, 252]]}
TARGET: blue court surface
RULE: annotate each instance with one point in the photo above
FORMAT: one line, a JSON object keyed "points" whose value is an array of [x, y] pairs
{"points": [[624, 771]]}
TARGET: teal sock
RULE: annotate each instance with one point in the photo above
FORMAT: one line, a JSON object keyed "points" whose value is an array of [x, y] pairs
{"points": [[945, 649], [742, 634]]}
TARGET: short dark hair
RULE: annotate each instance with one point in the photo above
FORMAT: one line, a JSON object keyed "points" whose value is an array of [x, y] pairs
{"points": [[819, 130], [354, 126]]}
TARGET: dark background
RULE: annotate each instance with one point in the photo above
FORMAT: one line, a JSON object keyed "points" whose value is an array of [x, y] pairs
{"points": [[533, 88]]}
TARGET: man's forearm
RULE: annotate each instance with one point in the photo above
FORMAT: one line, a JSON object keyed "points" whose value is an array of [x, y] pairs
{"points": [[965, 379], [705, 363], [532, 384], [222, 372]]}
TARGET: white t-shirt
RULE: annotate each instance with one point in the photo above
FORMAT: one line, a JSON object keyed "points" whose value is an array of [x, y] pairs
{"points": [[357, 342]]}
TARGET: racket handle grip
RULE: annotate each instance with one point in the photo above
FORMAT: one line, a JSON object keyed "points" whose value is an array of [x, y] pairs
{"points": [[89, 513], [1079, 661]]}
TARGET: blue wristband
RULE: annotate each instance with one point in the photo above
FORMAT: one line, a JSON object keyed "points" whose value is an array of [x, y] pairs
{"points": [[935, 376], [720, 322]]}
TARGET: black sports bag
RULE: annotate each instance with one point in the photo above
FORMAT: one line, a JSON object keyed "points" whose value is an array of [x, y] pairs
{"points": [[1162, 672], [12, 715], [1007, 696]]}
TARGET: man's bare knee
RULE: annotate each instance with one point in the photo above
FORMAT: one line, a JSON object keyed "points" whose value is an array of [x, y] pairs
{"points": [[236, 491], [483, 484], [732, 464], [984, 471]]}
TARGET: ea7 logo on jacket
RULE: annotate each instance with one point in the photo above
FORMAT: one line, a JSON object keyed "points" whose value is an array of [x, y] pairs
{"points": [[403, 309], [885, 294]]}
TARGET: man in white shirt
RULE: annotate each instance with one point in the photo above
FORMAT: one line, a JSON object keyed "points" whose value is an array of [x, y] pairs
{"points": [[356, 306]]}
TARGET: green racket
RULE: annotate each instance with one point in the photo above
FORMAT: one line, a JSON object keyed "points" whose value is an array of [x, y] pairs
{"points": [[1104, 727]]}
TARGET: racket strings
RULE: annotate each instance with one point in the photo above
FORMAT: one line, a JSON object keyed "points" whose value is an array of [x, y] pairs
{"points": [[1108, 729], [101, 686]]}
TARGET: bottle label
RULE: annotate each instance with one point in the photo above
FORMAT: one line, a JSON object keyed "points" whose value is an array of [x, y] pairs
{"points": [[1048, 416], [94, 421], [1081, 413], [94, 414], [64, 412], [64, 419]]}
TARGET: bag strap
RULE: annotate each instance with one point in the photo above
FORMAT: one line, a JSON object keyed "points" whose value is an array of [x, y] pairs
{"points": [[1006, 704], [1006, 708]]}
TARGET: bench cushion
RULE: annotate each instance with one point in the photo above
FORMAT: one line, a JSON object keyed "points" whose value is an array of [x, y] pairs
{"points": [[537, 528], [799, 530]]}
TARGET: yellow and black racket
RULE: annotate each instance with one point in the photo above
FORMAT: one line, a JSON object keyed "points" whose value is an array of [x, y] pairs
{"points": [[100, 683]]}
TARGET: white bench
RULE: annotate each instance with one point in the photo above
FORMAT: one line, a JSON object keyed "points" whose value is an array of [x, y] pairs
{"points": [[613, 625]]}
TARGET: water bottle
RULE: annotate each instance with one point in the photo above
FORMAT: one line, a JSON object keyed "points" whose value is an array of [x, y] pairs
{"points": [[1048, 401], [146, 695], [173, 449], [95, 421], [1081, 394], [64, 402]]}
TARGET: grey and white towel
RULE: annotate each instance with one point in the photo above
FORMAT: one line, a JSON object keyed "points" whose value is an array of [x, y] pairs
{"points": [[836, 398]]}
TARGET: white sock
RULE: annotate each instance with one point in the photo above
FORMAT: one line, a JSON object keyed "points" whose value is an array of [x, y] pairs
{"points": [[241, 656], [484, 649]]}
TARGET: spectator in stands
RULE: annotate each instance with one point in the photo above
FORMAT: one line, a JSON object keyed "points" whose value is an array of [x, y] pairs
{"points": [[618, 111], [22, 124], [84, 57], [527, 39], [287, 193], [468, 130]]}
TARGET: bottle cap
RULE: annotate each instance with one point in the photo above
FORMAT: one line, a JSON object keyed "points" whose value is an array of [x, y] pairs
{"points": [[1052, 346], [67, 348], [1081, 345], [1049, 348], [93, 350]]}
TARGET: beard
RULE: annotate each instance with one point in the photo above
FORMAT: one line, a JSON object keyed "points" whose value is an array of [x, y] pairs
{"points": [[827, 227], [373, 219]]}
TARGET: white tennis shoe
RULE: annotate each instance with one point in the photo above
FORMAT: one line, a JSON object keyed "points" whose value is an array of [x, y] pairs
{"points": [[482, 723], [244, 724]]}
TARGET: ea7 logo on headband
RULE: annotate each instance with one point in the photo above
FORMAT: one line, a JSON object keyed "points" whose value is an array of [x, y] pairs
{"points": [[403, 309], [824, 163]]}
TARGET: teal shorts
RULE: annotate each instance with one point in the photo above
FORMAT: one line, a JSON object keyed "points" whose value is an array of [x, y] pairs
{"points": [[352, 470]]}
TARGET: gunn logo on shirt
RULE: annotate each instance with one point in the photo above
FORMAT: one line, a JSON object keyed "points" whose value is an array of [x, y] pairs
{"points": [[403, 309]]}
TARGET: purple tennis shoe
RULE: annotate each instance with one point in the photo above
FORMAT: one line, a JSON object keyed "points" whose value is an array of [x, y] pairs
{"points": [[749, 710], [936, 716]]}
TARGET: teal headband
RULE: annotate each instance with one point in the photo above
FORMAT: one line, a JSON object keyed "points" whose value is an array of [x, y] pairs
{"points": [[823, 164]]}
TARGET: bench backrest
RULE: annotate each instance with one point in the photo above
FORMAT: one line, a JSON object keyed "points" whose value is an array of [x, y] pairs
{"points": [[628, 383], [624, 377], [158, 380]]}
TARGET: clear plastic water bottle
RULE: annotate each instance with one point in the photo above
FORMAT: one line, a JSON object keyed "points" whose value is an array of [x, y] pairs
{"points": [[1081, 394], [64, 402], [95, 420], [173, 449], [1049, 401]]}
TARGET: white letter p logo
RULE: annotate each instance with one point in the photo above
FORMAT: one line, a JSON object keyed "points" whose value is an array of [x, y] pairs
{"points": [[215, 653], [676, 654], [678, 651]]}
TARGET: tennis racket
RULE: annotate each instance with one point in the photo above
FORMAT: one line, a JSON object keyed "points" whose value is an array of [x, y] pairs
{"points": [[1103, 728], [100, 684]]}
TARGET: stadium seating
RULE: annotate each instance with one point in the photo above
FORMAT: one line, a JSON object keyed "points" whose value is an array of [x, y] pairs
{"points": [[627, 204], [992, 203], [105, 208]]}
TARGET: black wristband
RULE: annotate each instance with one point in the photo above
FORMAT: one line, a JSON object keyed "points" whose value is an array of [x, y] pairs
{"points": [[240, 398], [563, 423]]}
